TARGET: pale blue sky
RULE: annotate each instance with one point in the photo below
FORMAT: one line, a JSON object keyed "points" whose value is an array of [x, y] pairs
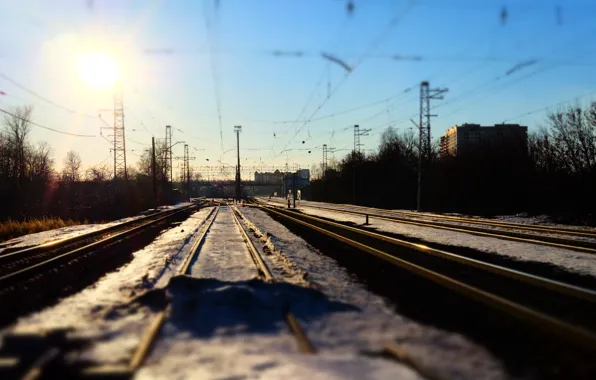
{"points": [[462, 45]]}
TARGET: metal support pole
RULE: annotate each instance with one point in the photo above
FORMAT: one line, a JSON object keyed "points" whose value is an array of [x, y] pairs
{"points": [[424, 144], [237, 129], [120, 170], [294, 193], [169, 153], [324, 172], [154, 171]]}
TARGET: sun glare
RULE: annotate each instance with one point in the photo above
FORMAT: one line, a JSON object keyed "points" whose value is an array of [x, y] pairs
{"points": [[98, 70]]}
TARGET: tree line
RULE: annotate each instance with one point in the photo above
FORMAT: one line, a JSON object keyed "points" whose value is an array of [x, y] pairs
{"points": [[30, 186], [556, 175]]}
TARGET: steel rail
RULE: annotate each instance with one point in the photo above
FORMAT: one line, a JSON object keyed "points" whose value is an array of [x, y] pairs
{"points": [[549, 241], [495, 223], [557, 286], [149, 337], [64, 242], [97, 244], [547, 323], [304, 344]]}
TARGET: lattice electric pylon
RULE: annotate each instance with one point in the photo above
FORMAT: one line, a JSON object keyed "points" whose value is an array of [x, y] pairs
{"points": [[357, 134], [119, 137], [426, 94], [424, 146], [115, 135]]}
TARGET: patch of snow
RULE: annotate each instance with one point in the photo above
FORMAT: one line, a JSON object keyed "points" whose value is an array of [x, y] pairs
{"points": [[279, 264], [59, 233], [72, 231], [428, 216], [236, 330], [583, 263], [224, 254], [90, 312], [374, 324]]}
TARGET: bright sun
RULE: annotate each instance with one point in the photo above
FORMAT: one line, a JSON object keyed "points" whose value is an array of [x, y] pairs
{"points": [[98, 70]]}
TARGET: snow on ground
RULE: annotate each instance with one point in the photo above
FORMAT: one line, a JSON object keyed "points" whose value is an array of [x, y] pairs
{"points": [[573, 261], [371, 323], [224, 254], [89, 311], [236, 330], [58, 233], [427, 216], [279, 264], [72, 231], [225, 323]]}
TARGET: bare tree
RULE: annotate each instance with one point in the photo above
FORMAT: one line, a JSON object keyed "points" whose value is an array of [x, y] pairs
{"points": [[99, 173], [144, 164], [72, 164], [18, 128], [571, 138], [40, 162]]}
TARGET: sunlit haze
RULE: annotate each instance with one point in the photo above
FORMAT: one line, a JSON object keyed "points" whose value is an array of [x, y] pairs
{"points": [[98, 70], [294, 74]]}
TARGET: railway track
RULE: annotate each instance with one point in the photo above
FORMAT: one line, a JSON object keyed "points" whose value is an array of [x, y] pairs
{"points": [[564, 311], [37, 276], [30, 261], [551, 236], [151, 334]]}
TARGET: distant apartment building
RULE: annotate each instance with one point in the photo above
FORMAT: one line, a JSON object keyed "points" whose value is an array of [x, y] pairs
{"points": [[466, 139]]}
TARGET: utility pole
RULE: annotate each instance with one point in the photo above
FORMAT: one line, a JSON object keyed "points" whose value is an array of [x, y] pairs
{"points": [[324, 160], [424, 146], [237, 129], [186, 168], [154, 170], [324, 172], [356, 155], [294, 192]]}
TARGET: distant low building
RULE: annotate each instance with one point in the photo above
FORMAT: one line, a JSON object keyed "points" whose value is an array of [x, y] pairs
{"points": [[269, 178], [298, 180], [470, 139]]}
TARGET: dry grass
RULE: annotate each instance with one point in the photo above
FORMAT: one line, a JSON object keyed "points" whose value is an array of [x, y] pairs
{"points": [[11, 229]]}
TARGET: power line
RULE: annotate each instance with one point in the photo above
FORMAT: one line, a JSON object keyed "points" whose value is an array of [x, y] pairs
{"points": [[498, 78], [102, 161], [342, 112], [136, 142], [550, 106], [214, 70], [318, 83], [128, 111], [43, 126], [392, 23], [7, 78]]}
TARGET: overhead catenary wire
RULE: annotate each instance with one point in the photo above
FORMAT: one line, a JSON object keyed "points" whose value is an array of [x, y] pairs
{"points": [[545, 108], [214, 69], [474, 91], [128, 111], [392, 23], [316, 86]]}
